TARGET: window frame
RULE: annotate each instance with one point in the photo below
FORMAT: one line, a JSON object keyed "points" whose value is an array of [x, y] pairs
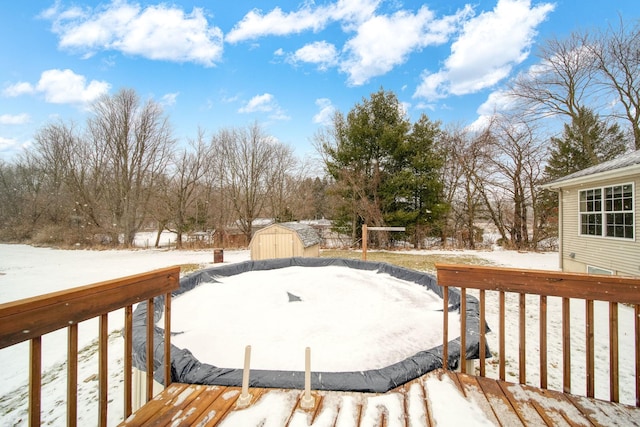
{"points": [[592, 269], [603, 212]]}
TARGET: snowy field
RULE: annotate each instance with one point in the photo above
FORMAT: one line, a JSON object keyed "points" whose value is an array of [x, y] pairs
{"points": [[26, 271]]}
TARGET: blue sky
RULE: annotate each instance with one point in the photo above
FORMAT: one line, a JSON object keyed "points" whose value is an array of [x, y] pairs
{"points": [[286, 65]]}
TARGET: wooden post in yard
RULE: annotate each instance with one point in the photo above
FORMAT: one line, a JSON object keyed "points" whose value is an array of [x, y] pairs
{"points": [[365, 236]]}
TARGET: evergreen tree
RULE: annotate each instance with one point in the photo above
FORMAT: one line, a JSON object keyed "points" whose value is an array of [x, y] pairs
{"points": [[585, 142], [383, 166], [412, 193]]}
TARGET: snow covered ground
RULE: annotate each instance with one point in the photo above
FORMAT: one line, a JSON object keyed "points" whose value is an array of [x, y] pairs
{"points": [[26, 271]]}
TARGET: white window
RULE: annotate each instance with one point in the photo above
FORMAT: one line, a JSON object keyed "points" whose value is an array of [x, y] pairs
{"points": [[597, 270], [607, 211]]}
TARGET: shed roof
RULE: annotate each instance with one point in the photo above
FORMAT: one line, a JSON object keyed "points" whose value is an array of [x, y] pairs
{"points": [[629, 160], [308, 235]]}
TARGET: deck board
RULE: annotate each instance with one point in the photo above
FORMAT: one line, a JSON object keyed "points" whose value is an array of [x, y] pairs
{"points": [[502, 403]]}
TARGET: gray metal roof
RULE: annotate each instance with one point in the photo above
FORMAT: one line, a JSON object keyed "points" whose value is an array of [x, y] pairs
{"points": [[308, 234], [629, 159]]}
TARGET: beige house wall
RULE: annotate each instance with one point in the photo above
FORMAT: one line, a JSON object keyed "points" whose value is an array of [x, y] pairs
{"points": [[620, 256]]}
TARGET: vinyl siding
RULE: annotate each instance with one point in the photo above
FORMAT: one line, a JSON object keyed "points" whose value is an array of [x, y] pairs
{"points": [[622, 256]]}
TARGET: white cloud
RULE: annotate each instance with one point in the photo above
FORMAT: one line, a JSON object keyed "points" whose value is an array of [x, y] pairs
{"points": [[159, 32], [496, 102], [169, 99], [425, 106], [487, 49], [67, 87], [256, 24], [9, 147], [382, 42], [14, 119], [7, 144], [259, 103], [321, 53], [265, 103], [325, 114], [62, 87], [21, 88]]}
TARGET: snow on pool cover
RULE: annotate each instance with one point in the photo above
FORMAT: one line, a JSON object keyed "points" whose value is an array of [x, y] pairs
{"points": [[370, 326]]}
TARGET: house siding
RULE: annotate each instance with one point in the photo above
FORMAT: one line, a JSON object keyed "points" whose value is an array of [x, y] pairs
{"points": [[621, 256]]}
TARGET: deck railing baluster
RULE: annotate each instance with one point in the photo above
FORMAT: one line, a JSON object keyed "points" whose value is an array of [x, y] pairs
{"points": [[566, 345], [615, 290], [501, 337], [29, 319], [543, 341], [128, 365], [522, 345], [167, 339], [589, 348], [103, 374], [72, 375], [463, 330], [483, 337], [636, 334], [613, 353], [150, 329], [35, 380]]}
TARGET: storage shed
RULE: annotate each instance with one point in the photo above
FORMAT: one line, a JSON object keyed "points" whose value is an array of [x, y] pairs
{"points": [[285, 240]]}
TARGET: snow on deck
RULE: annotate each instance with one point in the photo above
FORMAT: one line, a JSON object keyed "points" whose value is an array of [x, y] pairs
{"points": [[442, 398]]}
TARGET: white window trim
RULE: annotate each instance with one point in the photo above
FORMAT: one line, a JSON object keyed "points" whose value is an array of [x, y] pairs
{"points": [[604, 213]]}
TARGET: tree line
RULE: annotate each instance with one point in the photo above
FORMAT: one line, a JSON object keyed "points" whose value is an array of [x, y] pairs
{"points": [[123, 170]]}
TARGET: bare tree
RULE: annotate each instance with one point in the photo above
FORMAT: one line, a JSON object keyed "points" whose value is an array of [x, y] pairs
{"points": [[617, 53], [517, 164], [282, 181], [136, 141], [249, 159], [183, 185], [562, 82], [463, 176]]}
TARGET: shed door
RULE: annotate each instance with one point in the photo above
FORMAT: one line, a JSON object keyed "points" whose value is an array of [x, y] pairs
{"points": [[277, 245]]}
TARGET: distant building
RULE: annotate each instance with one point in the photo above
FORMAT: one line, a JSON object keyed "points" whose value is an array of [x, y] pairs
{"points": [[598, 217], [285, 240]]}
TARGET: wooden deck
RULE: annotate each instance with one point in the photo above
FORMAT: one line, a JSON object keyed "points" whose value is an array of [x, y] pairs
{"points": [[438, 398]]}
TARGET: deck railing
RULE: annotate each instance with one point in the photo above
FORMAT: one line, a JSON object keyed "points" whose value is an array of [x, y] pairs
{"points": [[613, 290], [29, 319]]}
